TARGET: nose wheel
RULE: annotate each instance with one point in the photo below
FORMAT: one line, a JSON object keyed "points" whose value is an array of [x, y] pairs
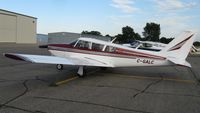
{"points": [[59, 67]]}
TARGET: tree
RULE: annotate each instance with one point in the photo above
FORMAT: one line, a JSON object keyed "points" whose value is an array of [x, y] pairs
{"points": [[196, 43], [97, 33], [128, 35], [166, 40], [163, 40], [169, 40], [152, 32], [137, 36], [108, 35], [128, 32], [119, 39]]}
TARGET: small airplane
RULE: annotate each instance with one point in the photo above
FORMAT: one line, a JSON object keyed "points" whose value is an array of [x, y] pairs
{"points": [[92, 52], [194, 49], [146, 45]]}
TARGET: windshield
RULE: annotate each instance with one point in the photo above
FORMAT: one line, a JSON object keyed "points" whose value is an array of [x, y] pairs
{"points": [[73, 43], [135, 44], [83, 44]]}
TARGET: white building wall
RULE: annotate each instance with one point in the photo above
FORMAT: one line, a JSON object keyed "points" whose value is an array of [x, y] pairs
{"points": [[17, 28], [7, 28], [26, 30]]}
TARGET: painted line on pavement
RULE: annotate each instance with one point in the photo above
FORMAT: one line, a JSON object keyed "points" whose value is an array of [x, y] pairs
{"points": [[66, 81]]}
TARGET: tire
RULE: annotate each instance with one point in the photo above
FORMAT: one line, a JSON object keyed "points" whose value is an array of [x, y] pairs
{"points": [[59, 67], [103, 68]]}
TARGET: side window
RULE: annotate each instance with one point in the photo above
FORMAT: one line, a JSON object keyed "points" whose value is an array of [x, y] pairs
{"points": [[97, 47], [110, 49], [83, 44]]}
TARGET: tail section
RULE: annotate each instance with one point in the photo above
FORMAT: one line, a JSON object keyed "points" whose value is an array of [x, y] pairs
{"points": [[178, 49]]}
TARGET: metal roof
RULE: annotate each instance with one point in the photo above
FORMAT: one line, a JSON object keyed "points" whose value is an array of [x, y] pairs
{"points": [[17, 13]]}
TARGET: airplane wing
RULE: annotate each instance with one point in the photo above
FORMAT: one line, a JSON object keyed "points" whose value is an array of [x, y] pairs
{"points": [[57, 60]]}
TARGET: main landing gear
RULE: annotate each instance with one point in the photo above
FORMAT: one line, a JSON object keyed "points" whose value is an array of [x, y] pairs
{"points": [[81, 71]]}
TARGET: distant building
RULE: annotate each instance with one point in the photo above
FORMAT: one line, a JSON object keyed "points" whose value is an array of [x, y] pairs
{"points": [[62, 37], [17, 28], [67, 37], [42, 40], [105, 38]]}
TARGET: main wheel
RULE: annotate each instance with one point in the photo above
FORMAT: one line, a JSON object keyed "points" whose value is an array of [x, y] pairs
{"points": [[59, 66]]}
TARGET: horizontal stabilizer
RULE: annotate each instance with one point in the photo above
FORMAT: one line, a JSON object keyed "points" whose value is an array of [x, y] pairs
{"points": [[180, 62]]}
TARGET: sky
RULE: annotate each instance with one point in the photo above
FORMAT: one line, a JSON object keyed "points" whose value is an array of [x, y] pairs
{"points": [[109, 16]]}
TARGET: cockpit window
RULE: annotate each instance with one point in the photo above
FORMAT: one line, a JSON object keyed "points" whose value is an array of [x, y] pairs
{"points": [[97, 47], [83, 44], [135, 44], [110, 49], [147, 45], [73, 43]]}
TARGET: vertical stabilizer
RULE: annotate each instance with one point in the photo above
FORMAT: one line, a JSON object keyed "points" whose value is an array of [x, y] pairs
{"points": [[178, 49]]}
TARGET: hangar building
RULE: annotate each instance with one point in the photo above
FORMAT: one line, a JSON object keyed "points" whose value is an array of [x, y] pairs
{"points": [[17, 28]]}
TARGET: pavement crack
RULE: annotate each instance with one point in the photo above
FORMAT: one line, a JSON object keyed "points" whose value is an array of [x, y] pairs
{"points": [[95, 104], [39, 79], [147, 87], [177, 69], [173, 94], [18, 96], [22, 109], [146, 92], [195, 75], [109, 86], [5, 80]]}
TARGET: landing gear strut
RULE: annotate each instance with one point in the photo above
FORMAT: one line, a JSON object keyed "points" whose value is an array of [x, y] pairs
{"points": [[81, 71], [59, 66]]}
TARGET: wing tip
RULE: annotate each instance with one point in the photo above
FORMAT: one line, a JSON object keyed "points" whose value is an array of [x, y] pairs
{"points": [[14, 56]]}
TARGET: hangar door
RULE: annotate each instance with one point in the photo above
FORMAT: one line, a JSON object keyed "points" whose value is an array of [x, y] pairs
{"points": [[8, 28]]}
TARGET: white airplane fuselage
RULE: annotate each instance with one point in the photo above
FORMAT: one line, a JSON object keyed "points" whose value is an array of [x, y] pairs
{"points": [[120, 57]]}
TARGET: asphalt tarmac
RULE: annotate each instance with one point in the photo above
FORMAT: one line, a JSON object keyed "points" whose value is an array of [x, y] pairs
{"points": [[41, 88]]}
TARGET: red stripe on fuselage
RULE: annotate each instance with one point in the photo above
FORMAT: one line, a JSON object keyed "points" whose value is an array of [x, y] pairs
{"points": [[180, 44], [119, 51]]}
